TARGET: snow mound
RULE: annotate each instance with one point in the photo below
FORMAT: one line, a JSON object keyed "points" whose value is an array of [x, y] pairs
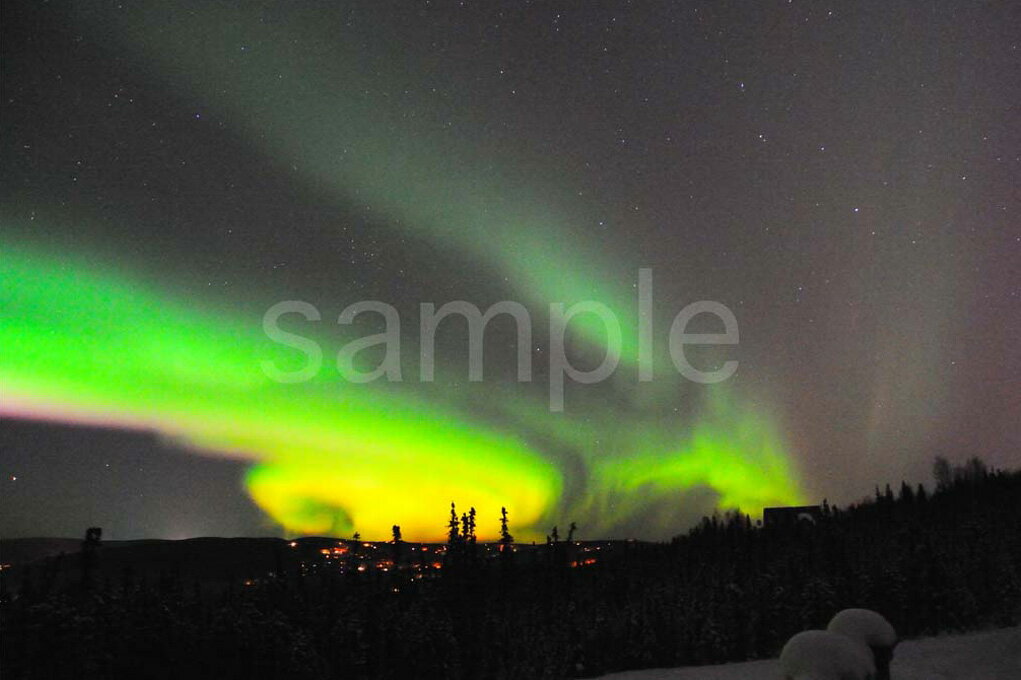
{"points": [[825, 655], [864, 625], [989, 655]]}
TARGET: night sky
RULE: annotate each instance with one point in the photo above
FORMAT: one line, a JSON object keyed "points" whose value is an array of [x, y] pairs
{"points": [[842, 176]]}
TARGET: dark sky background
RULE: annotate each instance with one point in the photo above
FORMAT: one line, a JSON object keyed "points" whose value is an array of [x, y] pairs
{"points": [[843, 176]]}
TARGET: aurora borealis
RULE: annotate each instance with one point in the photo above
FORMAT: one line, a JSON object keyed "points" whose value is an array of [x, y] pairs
{"points": [[173, 171], [334, 457]]}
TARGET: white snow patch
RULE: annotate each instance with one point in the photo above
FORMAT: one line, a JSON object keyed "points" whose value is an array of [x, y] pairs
{"points": [[990, 655]]}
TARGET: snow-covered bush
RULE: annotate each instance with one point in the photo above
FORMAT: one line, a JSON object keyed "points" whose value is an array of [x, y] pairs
{"points": [[824, 655], [870, 629]]}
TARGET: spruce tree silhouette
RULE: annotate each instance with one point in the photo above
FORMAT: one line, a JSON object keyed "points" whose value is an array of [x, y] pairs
{"points": [[398, 545], [506, 539]]}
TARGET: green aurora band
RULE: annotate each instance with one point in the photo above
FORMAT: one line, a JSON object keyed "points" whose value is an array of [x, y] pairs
{"points": [[92, 344], [98, 344]]}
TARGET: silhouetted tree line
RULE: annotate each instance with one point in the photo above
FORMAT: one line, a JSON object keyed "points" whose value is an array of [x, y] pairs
{"points": [[727, 590]]}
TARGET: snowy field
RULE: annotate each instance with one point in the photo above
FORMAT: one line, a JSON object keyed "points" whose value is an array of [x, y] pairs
{"points": [[992, 655]]}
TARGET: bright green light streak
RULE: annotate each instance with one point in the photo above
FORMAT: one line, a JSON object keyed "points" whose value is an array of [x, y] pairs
{"points": [[80, 345], [87, 343]]}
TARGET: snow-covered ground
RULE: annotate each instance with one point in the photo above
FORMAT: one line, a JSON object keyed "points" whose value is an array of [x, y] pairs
{"points": [[991, 655]]}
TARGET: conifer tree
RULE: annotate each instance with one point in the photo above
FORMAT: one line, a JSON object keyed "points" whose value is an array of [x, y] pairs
{"points": [[398, 544], [452, 527], [505, 535], [942, 472]]}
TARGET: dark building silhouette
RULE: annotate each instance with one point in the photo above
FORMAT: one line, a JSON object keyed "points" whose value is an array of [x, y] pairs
{"points": [[786, 516]]}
